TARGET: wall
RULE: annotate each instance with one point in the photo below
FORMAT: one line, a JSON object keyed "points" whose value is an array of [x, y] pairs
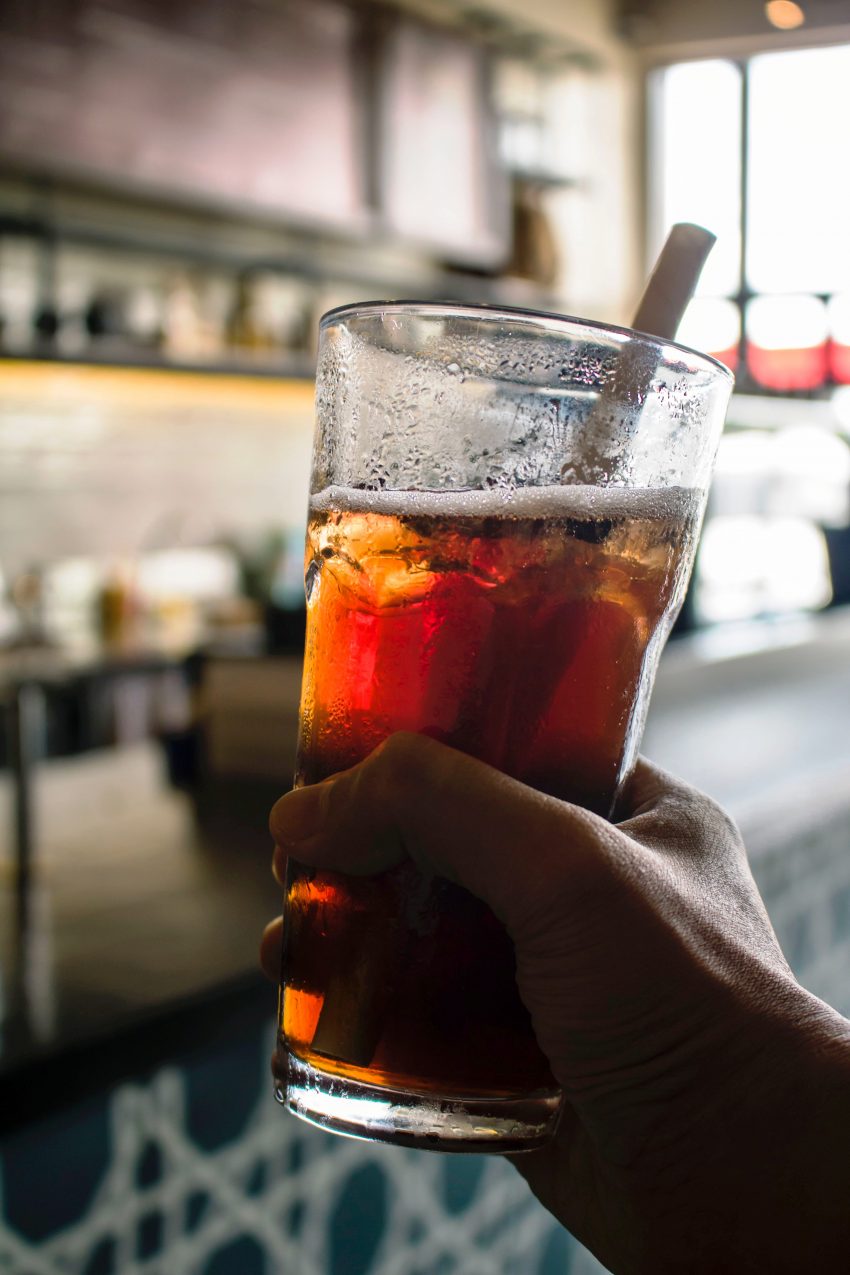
{"points": [[107, 463], [599, 223]]}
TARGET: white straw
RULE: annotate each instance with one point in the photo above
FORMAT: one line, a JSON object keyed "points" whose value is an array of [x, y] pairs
{"points": [[673, 281], [671, 286]]}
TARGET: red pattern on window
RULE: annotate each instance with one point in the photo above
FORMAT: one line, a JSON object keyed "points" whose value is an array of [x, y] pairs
{"points": [[730, 357], [839, 362], [788, 369]]}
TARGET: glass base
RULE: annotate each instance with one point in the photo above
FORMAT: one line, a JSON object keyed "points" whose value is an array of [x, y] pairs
{"points": [[410, 1119]]}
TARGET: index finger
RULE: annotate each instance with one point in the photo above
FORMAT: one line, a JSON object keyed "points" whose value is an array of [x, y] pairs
{"points": [[510, 845]]}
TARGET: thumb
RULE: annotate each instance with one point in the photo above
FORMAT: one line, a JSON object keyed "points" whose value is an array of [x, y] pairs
{"points": [[509, 845]]}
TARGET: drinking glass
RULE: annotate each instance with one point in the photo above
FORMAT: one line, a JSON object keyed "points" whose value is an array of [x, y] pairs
{"points": [[503, 517]]}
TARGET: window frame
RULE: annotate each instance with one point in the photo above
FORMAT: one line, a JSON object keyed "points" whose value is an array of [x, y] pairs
{"points": [[745, 383]]}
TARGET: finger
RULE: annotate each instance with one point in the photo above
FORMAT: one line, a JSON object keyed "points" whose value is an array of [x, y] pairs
{"points": [[270, 949], [506, 843], [299, 811], [663, 812], [645, 788], [279, 858]]}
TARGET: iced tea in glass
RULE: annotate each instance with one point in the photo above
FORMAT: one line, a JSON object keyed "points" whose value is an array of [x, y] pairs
{"points": [[496, 550]]}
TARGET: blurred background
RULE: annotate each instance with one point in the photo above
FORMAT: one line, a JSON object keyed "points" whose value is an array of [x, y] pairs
{"points": [[184, 189]]}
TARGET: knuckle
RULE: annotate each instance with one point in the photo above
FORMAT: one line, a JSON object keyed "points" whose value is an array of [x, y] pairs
{"points": [[378, 780], [396, 751], [694, 822], [397, 762]]}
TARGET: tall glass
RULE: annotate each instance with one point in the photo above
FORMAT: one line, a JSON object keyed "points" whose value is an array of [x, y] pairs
{"points": [[504, 511]]}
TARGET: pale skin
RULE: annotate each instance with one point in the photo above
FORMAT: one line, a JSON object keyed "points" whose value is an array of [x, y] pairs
{"points": [[707, 1118]]}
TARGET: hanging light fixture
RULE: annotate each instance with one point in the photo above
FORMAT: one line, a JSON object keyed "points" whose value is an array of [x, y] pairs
{"points": [[784, 14]]}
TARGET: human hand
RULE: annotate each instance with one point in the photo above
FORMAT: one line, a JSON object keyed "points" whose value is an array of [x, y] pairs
{"points": [[657, 990]]}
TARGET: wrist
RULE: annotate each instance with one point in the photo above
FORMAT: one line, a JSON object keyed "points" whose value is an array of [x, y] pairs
{"points": [[755, 1177], [816, 1144]]}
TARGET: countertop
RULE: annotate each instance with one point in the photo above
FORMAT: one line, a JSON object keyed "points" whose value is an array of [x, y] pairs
{"points": [[759, 718], [141, 925]]}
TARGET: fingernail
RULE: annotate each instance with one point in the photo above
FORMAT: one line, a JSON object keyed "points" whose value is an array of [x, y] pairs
{"points": [[300, 814], [279, 858]]}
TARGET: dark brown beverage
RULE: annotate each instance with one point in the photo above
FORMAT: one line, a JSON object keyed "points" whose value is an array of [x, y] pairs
{"points": [[522, 628]]}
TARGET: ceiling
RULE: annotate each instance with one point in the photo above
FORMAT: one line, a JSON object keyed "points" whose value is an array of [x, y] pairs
{"points": [[670, 22]]}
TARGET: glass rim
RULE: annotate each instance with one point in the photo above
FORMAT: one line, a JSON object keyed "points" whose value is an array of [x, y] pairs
{"points": [[551, 320]]}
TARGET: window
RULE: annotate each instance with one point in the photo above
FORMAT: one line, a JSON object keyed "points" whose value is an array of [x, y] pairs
{"points": [[756, 150]]}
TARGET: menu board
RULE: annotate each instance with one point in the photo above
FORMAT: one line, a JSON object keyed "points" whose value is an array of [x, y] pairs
{"points": [[247, 103]]}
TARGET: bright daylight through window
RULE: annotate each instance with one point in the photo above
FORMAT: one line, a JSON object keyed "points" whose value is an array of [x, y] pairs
{"points": [[754, 149]]}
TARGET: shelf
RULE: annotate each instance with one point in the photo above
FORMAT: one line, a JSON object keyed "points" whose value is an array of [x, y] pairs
{"points": [[312, 265], [185, 248], [287, 367], [192, 250], [53, 387], [542, 177]]}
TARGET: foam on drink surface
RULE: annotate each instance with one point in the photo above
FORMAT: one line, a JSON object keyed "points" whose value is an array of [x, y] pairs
{"points": [[574, 502]]}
